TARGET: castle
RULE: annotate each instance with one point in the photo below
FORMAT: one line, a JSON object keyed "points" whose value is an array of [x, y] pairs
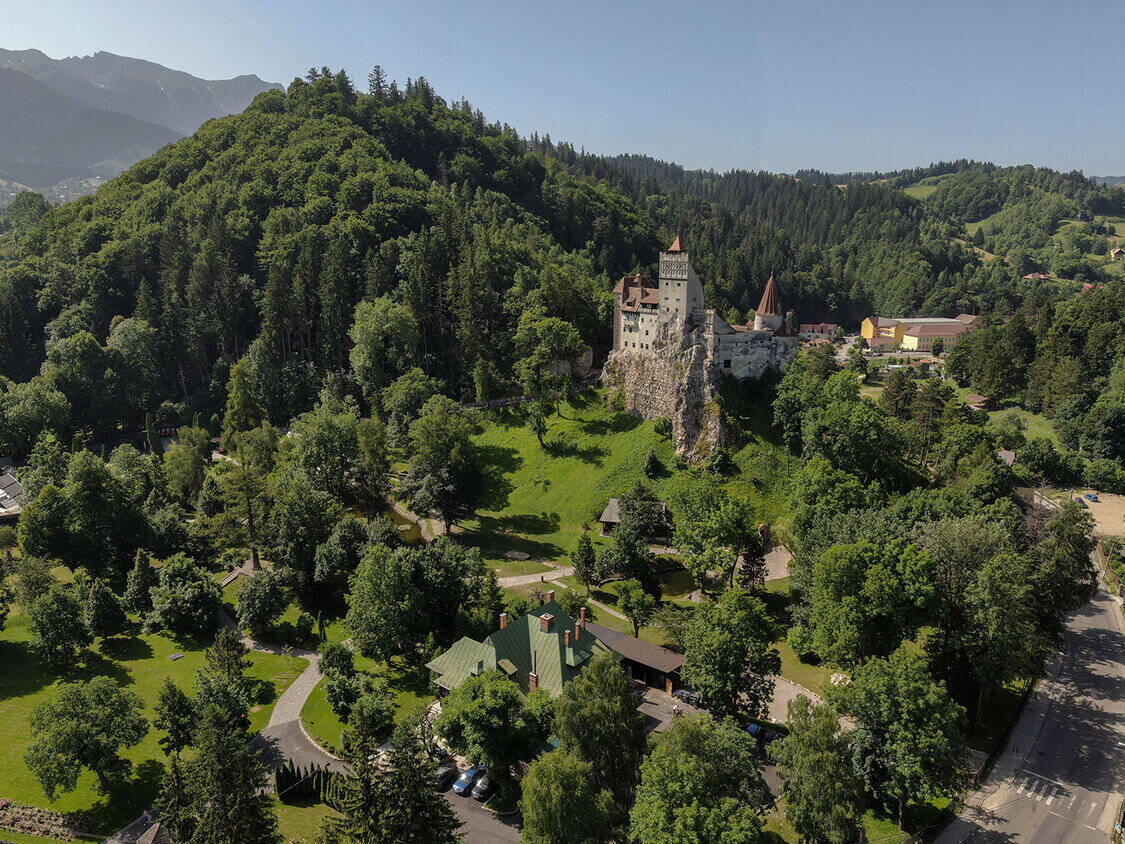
{"points": [[670, 349]]}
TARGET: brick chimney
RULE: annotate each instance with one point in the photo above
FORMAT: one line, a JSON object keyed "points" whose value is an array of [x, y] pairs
{"points": [[533, 677], [577, 631], [568, 638], [551, 595], [545, 622], [503, 620], [582, 615]]}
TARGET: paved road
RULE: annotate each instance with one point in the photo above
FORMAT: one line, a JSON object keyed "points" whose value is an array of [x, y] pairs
{"points": [[480, 825], [1061, 777]]}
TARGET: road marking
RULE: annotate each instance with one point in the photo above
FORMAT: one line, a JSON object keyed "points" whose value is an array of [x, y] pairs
{"points": [[1073, 800], [1050, 799], [1035, 788], [1047, 779]]}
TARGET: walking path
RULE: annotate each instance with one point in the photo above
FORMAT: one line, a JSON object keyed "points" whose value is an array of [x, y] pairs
{"points": [[541, 577]]}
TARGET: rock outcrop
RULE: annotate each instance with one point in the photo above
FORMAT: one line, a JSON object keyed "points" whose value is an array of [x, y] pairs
{"points": [[674, 379]]}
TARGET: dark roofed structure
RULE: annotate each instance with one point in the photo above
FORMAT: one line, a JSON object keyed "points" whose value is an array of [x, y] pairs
{"points": [[11, 496], [544, 649], [643, 661]]}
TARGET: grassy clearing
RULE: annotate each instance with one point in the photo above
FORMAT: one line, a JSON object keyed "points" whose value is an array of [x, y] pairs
{"points": [[919, 191], [507, 567], [140, 663], [539, 499]]}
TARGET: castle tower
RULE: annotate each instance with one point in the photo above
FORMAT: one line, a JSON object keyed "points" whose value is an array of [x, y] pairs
{"points": [[768, 316], [681, 292]]}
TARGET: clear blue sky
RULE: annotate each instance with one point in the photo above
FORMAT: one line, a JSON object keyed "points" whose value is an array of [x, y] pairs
{"points": [[838, 85]]}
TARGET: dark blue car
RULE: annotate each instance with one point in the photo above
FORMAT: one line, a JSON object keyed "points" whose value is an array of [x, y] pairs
{"points": [[464, 783]]}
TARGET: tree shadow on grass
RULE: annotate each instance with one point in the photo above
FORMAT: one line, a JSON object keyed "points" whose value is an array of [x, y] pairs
{"points": [[497, 462], [619, 423], [127, 799], [127, 648], [23, 672], [529, 523], [564, 445]]}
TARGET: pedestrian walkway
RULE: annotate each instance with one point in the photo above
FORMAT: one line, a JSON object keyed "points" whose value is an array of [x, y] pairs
{"points": [[531, 579]]}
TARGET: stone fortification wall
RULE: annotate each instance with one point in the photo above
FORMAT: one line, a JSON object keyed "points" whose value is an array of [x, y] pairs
{"points": [[753, 353]]}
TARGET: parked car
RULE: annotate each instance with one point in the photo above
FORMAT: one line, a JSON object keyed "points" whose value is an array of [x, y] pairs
{"points": [[689, 697], [484, 789], [1081, 503], [1092, 496], [465, 782], [444, 777]]}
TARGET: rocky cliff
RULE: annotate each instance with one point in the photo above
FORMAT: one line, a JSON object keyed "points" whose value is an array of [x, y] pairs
{"points": [[673, 379]]}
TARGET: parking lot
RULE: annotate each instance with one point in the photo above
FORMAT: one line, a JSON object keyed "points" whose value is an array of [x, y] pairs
{"points": [[1108, 511]]}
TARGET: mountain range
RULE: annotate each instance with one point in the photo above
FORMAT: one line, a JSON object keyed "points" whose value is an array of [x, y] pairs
{"points": [[67, 125]]}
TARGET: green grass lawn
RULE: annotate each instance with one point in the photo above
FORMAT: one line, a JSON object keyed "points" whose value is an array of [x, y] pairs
{"points": [[300, 821], [538, 499], [507, 567], [140, 663], [919, 191]]}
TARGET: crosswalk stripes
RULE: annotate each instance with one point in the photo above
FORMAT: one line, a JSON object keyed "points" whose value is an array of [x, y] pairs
{"points": [[1059, 797]]}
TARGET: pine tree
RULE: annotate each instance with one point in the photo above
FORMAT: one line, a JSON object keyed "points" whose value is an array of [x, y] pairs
{"points": [[210, 497], [102, 611], [155, 444], [585, 561], [138, 598], [395, 802], [227, 786], [377, 82]]}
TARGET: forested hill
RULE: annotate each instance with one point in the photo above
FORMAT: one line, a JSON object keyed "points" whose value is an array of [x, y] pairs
{"points": [[474, 249], [259, 235], [838, 253]]}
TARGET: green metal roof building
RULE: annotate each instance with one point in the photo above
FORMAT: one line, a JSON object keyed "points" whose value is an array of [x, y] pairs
{"points": [[544, 649]]}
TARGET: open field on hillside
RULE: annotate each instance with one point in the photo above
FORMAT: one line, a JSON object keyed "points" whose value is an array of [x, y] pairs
{"points": [[919, 191], [539, 499], [139, 662]]}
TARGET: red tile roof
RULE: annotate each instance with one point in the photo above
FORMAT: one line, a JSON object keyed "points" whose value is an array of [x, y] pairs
{"points": [[939, 330], [770, 303], [676, 245]]}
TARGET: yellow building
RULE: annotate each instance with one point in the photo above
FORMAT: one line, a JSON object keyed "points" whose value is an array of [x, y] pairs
{"points": [[916, 333]]}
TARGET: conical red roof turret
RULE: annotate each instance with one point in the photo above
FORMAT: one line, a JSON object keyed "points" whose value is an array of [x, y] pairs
{"points": [[771, 302], [676, 245]]}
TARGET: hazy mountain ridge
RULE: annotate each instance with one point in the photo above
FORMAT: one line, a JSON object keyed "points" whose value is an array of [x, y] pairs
{"points": [[69, 124]]}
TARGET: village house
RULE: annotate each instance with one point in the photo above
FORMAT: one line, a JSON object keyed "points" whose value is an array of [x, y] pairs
{"points": [[1117, 254], [661, 517], [544, 649], [818, 330], [11, 495]]}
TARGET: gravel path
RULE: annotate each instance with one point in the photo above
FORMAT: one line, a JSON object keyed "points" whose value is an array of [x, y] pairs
{"points": [[292, 700], [531, 579]]}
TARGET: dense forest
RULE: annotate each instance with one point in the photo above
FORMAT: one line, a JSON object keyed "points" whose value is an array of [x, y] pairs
{"points": [[257, 238]]}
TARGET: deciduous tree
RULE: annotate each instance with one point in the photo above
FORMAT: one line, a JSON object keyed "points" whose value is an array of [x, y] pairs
{"points": [[729, 656], [85, 725], [701, 783], [823, 797]]}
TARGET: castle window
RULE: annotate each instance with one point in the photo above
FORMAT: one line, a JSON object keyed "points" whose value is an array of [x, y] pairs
{"points": [[726, 364]]}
